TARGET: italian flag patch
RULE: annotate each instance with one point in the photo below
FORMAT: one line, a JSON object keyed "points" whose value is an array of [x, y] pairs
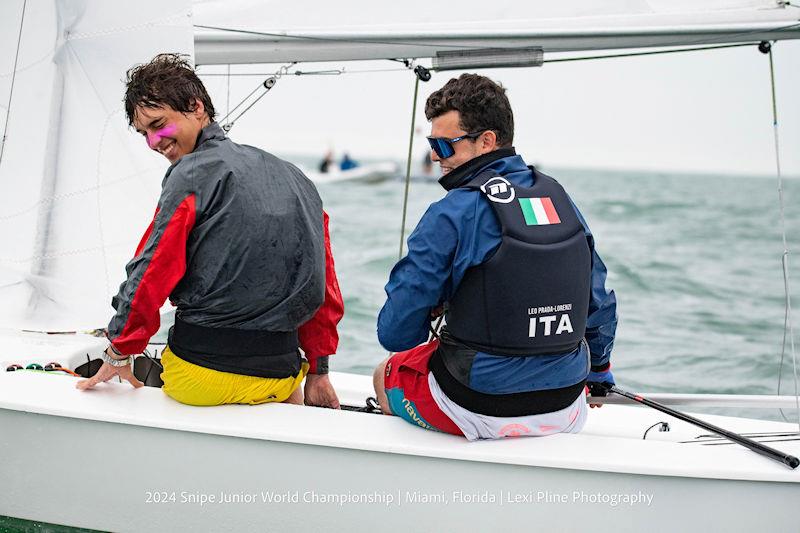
{"points": [[539, 211]]}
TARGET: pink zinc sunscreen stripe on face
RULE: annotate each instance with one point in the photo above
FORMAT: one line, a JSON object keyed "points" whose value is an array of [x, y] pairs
{"points": [[154, 138]]}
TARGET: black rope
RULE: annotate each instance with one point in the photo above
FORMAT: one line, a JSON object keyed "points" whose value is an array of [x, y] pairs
{"points": [[721, 443], [664, 426], [370, 406], [703, 439]]}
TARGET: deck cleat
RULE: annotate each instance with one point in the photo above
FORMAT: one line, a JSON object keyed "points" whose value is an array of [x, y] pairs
{"points": [[14, 368], [34, 366]]}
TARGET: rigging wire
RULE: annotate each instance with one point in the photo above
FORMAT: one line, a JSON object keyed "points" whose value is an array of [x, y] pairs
{"points": [[408, 163], [13, 79], [228, 93], [330, 72], [650, 53], [242, 102], [420, 73], [788, 327], [266, 85]]}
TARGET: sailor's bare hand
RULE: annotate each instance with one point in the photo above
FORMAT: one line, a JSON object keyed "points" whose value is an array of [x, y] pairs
{"points": [[107, 372], [319, 391]]}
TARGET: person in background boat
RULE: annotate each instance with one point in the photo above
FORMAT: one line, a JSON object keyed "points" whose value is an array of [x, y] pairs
{"points": [[347, 163], [427, 164], [510, 261], [240, 244], [326, 162]]}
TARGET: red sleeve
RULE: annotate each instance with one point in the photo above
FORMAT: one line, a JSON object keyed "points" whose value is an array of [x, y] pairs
{"points": [[159, 264], [318, 337]]}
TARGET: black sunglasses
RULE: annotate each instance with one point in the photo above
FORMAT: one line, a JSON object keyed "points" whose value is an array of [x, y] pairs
{"points": [[444, 146]]}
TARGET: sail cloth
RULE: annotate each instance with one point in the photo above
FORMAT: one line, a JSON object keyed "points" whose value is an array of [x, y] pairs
{"points": [[273, 31], [77, 187]]}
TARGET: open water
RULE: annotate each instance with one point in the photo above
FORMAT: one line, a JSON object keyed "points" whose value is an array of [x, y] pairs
{"points": [[695, 262]]}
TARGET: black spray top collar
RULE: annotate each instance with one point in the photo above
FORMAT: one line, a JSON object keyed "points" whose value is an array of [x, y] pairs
{"points": [[459, 175]]}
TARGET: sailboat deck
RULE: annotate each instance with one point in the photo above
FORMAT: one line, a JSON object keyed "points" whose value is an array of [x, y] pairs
{"points": [[611, 441]]}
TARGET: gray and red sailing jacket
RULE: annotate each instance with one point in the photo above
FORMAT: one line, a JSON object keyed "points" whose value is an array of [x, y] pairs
{"points": [[240, 245]]}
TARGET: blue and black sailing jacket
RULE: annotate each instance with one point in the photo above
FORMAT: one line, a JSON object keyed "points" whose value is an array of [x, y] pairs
{"points": [[455, 235]]}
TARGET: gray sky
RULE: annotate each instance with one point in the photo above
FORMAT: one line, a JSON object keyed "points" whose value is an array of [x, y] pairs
{"points": [[704, 112]]}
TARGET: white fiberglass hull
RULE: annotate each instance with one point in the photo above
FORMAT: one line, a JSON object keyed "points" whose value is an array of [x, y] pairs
{"points": [[123, 459]]}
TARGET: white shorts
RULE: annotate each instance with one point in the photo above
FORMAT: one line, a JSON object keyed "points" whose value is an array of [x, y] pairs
{"points": [[475, 426]]}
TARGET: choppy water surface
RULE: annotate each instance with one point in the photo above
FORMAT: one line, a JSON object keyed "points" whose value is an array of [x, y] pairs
{"points": [[695, 262]]}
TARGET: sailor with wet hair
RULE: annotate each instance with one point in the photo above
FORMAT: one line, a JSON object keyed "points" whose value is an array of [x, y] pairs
{"points": [[239, 243], [510, 261]]}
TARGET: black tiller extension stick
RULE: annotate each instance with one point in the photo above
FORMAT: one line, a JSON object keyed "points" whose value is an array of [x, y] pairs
{"points": [[776, 455]]}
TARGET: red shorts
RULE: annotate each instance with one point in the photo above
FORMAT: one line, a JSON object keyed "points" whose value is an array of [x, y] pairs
{"points": [[406, 384]]}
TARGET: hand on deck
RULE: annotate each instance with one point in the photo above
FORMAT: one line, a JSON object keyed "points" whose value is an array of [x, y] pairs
{"points": [[319, 391], [107, 372]]}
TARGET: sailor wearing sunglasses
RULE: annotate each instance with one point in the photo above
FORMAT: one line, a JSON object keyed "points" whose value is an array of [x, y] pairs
{"points": [[510, 261]]}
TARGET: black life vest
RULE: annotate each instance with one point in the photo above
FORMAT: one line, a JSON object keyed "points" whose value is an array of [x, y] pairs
{"points": [[532, 296]]}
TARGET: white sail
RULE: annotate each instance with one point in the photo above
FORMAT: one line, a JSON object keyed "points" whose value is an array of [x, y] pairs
{"points": [[77, 189], [271, 32]]}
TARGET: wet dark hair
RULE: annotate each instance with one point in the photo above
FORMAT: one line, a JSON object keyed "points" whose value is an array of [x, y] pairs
{"points": [[168, 80], [481, 103]]}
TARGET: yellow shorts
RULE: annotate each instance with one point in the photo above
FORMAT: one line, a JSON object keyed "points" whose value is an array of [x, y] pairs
{"points": [[195, 385]]}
